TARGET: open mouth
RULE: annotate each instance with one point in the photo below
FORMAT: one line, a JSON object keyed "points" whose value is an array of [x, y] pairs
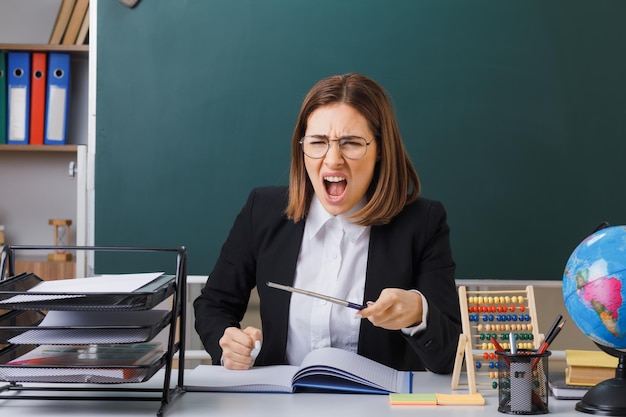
{"points": [[335, 186]]}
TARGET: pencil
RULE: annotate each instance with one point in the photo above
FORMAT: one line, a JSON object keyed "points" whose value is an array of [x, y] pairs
{"points": [[496, 344]]}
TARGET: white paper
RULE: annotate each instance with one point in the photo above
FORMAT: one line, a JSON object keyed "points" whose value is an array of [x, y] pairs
{"points": [[85, 327], [28, 298], [66, 288], [105, 283]]}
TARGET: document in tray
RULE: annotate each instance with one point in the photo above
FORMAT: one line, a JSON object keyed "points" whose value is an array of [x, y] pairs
{"points": [[326, 369], [77, 287], [94, 327], [83, 363], [90, 355]]}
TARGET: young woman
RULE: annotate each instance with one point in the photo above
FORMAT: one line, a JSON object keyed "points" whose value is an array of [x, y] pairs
{"points": [[350, 225]]}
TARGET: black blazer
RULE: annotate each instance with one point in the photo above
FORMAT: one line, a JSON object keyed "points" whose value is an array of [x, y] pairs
{"points": [[411, 252]]}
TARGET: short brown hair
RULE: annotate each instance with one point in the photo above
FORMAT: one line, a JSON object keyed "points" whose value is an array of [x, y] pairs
{"points": [[395, 182]]}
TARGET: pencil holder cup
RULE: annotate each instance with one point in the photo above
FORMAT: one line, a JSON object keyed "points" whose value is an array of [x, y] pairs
{"points": [[523, 382]]}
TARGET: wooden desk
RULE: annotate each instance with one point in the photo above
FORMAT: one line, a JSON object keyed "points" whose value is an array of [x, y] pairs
{"points": [[193, 404]]}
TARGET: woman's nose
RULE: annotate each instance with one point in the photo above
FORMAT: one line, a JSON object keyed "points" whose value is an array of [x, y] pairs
{"points": [[334, 153]]}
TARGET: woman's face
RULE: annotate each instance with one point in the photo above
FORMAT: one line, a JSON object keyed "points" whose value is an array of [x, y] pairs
{"points": [[340, 183]]}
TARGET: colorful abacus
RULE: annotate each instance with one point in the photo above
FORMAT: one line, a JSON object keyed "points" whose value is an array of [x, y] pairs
{"points": [[487, 316]]}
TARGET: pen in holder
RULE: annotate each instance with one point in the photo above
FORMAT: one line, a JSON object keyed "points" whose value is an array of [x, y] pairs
{"points": [[523, 382]]}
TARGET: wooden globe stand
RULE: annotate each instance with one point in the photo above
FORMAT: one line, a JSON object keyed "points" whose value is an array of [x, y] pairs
{"points": [[61, 233]]}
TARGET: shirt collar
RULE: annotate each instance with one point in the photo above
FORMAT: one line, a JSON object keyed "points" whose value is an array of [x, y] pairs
{"points": [[318, 217]]}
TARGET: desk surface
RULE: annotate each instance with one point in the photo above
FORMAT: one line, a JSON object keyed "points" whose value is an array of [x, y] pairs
{"points": [[270, 405]]}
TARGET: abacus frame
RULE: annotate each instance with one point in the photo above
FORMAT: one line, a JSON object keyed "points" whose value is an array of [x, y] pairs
{"points": [[467, 349]]}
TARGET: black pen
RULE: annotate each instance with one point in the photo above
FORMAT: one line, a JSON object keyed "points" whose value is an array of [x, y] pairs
{"points": [[554, 331], [549, 337], [553, 328], [316, 295]]}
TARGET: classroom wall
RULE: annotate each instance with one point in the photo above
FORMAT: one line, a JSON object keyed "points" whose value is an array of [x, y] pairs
{"points": [[27, 21], [41, 182], [512, 111]]}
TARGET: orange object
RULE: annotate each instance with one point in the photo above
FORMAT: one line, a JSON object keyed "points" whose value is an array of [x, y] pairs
{"points": [[38, 97]]}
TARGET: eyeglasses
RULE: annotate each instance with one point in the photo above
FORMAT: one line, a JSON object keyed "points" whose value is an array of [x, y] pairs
{"points": [[352, 147]]}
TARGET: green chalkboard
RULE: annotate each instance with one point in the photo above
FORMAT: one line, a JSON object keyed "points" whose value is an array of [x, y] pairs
{"points": [[514, 113]]}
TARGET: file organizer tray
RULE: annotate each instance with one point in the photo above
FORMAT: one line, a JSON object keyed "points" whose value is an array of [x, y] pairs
{"points": [[15, 293], [74, 374], [12, 321], [33, 327], [24, 311]]}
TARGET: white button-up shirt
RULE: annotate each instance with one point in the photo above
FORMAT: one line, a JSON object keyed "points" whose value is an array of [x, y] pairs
{"points": [[339, 272], [332, 261]]}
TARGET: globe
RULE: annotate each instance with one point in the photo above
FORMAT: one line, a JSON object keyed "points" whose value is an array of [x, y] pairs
{"points": [[594, 292], [594, 287]]}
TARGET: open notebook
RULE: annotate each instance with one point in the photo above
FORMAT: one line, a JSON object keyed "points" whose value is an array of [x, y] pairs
{"points": [[326, 369]]}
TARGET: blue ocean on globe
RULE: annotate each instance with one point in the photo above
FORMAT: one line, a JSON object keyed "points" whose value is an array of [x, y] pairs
{"points": [[594, 286]]}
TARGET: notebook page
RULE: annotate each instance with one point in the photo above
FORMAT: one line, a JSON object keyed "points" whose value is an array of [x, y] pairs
{"points": [[342, 362], [260, 379]]}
